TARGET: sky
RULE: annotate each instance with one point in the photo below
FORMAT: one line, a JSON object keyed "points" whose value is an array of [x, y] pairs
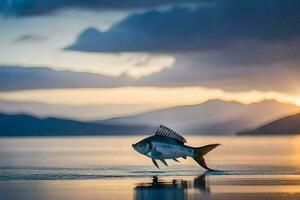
{"points": [[124, 57]]}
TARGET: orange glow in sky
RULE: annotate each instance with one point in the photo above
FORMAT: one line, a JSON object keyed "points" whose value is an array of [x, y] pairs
{"points": [[154, 96]]}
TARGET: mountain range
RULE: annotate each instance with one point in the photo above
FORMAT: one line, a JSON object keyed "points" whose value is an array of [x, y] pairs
{"points": [[211, 117], [284, 126], [27, 125]]}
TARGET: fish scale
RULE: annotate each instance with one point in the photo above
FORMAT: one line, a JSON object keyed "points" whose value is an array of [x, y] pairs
{"points": [[170, 151]]}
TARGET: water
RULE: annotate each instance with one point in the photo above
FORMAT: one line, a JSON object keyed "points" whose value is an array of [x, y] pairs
{"points": [[107, 168]]}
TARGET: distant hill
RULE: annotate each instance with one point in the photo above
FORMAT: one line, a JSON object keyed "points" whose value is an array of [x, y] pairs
{"points": [[26, 125], [283, 126], [211, 117]]}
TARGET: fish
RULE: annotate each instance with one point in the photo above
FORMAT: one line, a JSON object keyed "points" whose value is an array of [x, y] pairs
{"points": [[167, 144]]}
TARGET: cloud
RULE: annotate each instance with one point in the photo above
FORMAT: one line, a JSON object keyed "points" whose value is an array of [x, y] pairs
{"points": [[30, 38], [201, 29], [189, 70], [240, 67], [43, 7], [23, 78], [228, 44], [233, 45]]}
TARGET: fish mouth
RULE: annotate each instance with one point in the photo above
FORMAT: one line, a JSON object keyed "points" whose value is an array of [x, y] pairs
{"points": [[134, 147]]}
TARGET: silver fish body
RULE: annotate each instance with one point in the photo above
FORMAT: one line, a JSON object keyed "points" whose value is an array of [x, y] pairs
{"points": [[165, 148], [167, 144], [162, 147]]}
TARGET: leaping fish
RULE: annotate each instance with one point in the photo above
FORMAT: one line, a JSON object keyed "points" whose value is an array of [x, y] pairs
{"points": [[167, 144]]}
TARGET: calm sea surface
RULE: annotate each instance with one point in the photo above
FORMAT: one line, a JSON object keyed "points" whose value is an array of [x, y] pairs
{"points": [[108, 168]]}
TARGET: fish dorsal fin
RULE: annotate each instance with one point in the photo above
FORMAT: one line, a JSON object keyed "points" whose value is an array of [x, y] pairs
{"points": [[166, 132]]}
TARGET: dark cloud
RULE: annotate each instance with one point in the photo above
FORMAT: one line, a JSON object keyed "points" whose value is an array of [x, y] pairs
{"points": [[22, 78], [188, 71], [203, 28], [247, 65], [195, 70], [42, 7], [230, 44]]}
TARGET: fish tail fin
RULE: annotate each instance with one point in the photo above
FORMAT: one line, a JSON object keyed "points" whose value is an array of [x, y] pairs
{"points": [[200, 152]]}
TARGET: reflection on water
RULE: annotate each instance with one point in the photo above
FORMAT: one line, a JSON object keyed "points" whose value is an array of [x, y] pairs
{"points": [[106, 168], [201, 184], [78, 152], [177, 189]]}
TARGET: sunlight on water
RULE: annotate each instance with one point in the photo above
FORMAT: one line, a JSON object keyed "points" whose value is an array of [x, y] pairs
{"points": [[117, 151], [295, 156], [108, 168]]}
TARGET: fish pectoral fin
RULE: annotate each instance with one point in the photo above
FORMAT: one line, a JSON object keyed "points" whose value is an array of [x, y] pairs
{"points": [[176, 160], [155, 163], [184, 157], [163, 161]]}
